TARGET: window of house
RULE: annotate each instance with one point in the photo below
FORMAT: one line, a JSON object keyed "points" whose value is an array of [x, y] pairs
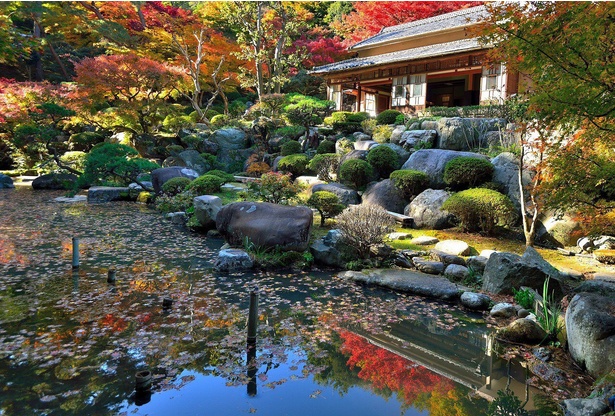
{"points": [[399, 91]]}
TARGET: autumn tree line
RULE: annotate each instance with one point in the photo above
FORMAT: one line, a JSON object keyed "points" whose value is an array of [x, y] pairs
{"points": [[76, 72]]}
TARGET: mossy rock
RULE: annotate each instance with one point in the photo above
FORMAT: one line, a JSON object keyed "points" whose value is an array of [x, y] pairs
{"points": [[605, 256]]}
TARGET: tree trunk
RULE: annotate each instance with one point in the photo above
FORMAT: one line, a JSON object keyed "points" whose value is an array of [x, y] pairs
{"points": [[36, 55], [529, 222], [260, 84]]}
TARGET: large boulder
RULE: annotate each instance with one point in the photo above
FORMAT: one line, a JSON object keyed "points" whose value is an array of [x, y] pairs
{"points": [[585, 407], [6, 181], [354, 154], [326, 250], [161, 175], [558, 231], [230, 141], [266, 225], [590, 328], [506, 173], [54, 181], [505, 271], [206, 208], [193, 160], [426, 210], [365, 144], [465, 133], [386, 195], [433, 161], [346, 195], [413, 139], [397, 132], [453, 247]]}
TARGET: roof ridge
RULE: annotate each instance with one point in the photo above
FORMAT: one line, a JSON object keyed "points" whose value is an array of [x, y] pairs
{"points": [[432, 19]]}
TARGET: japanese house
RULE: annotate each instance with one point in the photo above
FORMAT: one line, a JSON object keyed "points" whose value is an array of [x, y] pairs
{"points": [[429, 62]]}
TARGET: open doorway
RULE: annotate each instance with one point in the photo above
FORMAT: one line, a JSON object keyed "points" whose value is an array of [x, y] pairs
{"points": [[452, 92]]}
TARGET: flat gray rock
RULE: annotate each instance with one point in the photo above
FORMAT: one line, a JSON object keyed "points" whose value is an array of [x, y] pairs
{"points": [[424, 240], [454, 247], [407, 281]]}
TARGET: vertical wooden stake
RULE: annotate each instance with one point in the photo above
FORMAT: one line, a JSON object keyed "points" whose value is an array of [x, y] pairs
{"points": [[75, 253], [111, 276], [253, 316]]}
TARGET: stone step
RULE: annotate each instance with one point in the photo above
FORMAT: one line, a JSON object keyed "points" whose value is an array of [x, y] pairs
{"points": [[404, 220]]}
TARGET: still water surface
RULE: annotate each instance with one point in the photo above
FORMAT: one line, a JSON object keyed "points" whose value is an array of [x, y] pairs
{"points": [[70, 343]]}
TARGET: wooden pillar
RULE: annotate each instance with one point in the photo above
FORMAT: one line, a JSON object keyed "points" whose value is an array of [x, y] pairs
{"points": [[358, 97]]}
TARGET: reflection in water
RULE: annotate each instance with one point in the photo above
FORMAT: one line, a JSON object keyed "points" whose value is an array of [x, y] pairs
{"points": [[71, 344]]}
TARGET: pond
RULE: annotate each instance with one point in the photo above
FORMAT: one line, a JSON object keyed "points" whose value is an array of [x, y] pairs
{"points": [[71, 343]]}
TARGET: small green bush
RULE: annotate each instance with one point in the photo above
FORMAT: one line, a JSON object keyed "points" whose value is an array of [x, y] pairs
{"points": [[324, 165], [296, 164], [400, 120], [219, 120], [467, 172], [290, 148], [292, 132], [481, 209], [356, 172], [387, 116], [175, 203], [524, 297], [382, 134], [175, 186], [225, 177], [326, 146], [274, 187], [174, 149], [344, 146], [346, 121], [85, 140], [205, 185], [368, 126], [327, 204], [410, 182], [75, 160], [383, 159]]}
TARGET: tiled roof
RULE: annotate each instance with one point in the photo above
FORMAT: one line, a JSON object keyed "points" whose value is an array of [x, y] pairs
{"points": [[445, 21], [448, 48]]}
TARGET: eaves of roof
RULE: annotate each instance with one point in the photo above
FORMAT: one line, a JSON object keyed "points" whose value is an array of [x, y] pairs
{"points": [[430, 51]]}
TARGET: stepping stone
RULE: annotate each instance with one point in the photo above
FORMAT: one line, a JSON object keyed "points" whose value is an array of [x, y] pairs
{"points": [[475, 301], [429, 267], [454, 247], [398, 236], [424, 240]]}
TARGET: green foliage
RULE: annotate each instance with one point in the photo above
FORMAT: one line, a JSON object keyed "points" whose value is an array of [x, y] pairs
{"points": [[356, 172], [345, 145], [494, 186], [205, 185], [75, 160], [219, 121], [326, 146], [325, 165], [307, 111], [192, 141], [291, 147], [369, 125], [274, 187], [410, 182], [175, 186], [400, 120], [506, 404], [467, 172], [268, 257], [291, 132], [481, 209], [174, 203], [174, 122], [524, 297], [296, 164], [388, 116], [84, 141], [212, 161], [115, 164], [327, 204], [383, 159], [346, 121], [225, 177], [549, 313], [382, 134], [364, 226]]}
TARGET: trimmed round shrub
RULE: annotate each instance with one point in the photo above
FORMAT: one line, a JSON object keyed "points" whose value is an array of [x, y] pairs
{"points": [[480, 209], [383, 159], [219, 120], [356, 172], [410, 182], [175, 186], [400, 119], [467, 172], [295, 164], [291, 132], [205, 185], [344, 146], [387, 116], [324, 165], [327, 204], [226, 177], [346, 121], [326, 146], [291, 147]]}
